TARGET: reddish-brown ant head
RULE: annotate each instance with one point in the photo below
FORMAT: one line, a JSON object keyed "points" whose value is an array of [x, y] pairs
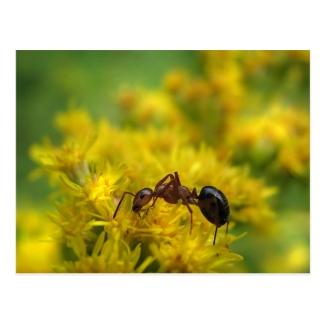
{"points": [[142, 198]]}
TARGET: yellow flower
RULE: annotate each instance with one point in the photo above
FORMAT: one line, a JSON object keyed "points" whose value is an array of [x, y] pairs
{"points": [[294, 256], [73, 220], [69, 159], [158, 108], [97, 187], [33, 256], [91, 191], [280, 134], [174, 81], [75, 122], [163, 222], [213, 130], [110, 256], [194, 254], [33, 253], [127, 99]]}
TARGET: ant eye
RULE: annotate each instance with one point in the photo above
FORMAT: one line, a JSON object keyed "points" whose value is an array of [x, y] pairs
{"points": [[143, 193]]}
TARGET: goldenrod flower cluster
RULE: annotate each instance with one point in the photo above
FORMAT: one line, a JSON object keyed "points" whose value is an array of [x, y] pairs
{"points": [[243, 122], [212, 129], [93, 170]]}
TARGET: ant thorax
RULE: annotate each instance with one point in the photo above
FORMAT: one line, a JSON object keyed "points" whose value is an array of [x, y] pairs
{"points": [[183, 192], [165, 191]]}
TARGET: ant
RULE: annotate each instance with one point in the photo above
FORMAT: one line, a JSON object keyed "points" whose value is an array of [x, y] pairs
{"points": [[211, 201], [171, 192]]}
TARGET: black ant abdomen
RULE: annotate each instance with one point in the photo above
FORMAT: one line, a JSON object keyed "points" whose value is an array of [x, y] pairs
{"points": [[214, 206]]}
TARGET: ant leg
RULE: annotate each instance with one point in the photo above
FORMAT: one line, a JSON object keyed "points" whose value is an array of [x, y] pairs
{"points": [[188, 207], [227, 231], [177, 193], [176, 185], [215, 235], [146, 211], [163, 179], [177, 179], [159, 194], [118, 206]]}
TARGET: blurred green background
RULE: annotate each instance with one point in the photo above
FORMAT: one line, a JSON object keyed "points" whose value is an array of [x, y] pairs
{"points": [[48, 80]]}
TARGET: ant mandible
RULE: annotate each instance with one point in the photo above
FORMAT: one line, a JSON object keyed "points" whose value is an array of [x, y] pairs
{"points": [[211, 201]]}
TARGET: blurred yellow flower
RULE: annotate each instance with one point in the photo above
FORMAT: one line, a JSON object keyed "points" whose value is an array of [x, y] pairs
{"points": [[74, 122], [33, 253]]}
